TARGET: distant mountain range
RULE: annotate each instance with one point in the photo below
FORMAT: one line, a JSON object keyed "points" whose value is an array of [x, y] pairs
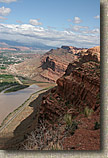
{"points": [[12, 44]]}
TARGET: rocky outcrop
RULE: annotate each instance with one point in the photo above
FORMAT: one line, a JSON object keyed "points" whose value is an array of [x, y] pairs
{"points": [[92, 54], [48, 67], [74, 50], [81, 87], [69, 114], [72, 109], [49, 63], [55, 62], [53, 67]]}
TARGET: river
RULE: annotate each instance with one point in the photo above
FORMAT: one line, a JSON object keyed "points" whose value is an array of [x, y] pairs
{"points": [[10, 101]]}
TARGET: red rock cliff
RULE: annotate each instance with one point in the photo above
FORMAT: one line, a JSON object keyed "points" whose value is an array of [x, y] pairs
{"points": [[71, 111], [77, 95]]}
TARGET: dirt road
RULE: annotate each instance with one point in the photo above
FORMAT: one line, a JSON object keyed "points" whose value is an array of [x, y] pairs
{"points": [[17, 79]]}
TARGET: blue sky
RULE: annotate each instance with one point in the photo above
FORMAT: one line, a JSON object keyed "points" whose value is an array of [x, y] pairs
{"points": [[51, 22]]}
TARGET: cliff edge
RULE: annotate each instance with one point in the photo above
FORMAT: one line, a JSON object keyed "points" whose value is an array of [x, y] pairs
{"points": [[69, 114]]}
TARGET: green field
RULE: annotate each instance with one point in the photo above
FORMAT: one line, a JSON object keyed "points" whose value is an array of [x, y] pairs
{"points": [[6, 78], [3, 68], [5, 85], [7, 81]]}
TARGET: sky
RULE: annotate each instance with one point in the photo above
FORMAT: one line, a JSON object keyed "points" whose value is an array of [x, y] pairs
{"points": [[51, 22]]}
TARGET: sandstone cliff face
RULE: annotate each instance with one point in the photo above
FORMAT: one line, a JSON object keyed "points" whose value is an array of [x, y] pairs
{"points": [[74, 50], [81, 87], [92, 54], [73, 107], [70, 112], [50, 66], [55, 62]]}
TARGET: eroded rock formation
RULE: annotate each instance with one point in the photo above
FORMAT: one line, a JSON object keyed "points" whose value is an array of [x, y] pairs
{"points": [[72, 109], [50, 66]]}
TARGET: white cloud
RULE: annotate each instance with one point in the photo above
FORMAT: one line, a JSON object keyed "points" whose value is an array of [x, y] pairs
{"points": [[83, 29], [97, 30], [34, 22], [78, 28], [4, 11], [77, 20], [94, 31], [7, 1], [28, 33], [97, 17]]}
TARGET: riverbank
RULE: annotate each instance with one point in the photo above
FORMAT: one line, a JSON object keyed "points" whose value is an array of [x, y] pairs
{"points": [[44, 86], [6, 85], [13, 120], [16, 88], [11, 101]]}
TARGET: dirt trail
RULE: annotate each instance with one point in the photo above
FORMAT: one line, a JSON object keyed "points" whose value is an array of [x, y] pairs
{"points": [[17, 79]]}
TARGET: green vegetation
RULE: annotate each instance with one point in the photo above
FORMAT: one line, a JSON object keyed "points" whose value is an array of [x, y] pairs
{"points": [[7, 78], [40, 82], [51, 98], [97, 125], [71, 125], [56, 146], [68, 104], [16, 88], [7, 81], [68, 119], [5, 85], [3, 68], [88, 111], [12, 57], [98, 98]]}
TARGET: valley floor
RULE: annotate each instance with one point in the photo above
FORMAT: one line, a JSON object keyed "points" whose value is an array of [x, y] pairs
{"points": [[13, 120]]}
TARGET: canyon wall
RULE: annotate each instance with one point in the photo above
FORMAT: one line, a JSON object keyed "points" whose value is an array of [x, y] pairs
{"points": [[48, 67], [69, 114], [72, 109]]}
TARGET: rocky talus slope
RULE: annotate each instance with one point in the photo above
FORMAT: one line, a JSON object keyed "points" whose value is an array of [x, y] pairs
{"points": [[69, 114]]}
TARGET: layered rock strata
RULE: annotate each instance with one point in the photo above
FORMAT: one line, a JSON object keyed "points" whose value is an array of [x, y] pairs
{"points": [[72, 109]]}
